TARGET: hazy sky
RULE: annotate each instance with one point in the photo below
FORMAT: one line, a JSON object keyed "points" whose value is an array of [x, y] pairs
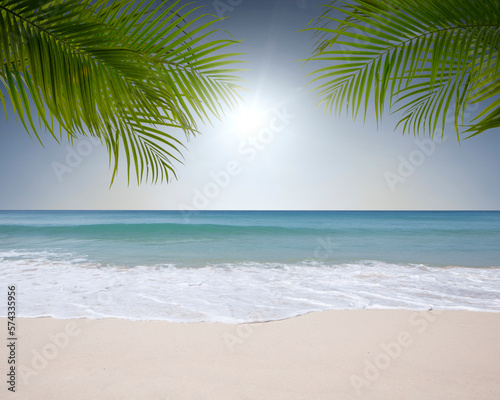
{"points": [[295, 157]]}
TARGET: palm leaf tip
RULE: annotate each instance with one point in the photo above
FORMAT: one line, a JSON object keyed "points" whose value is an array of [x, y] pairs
{"points": [[133, 74], [431, 59]]}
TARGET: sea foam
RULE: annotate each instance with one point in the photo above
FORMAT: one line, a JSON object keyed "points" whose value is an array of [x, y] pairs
{"points": [[64, 286]]}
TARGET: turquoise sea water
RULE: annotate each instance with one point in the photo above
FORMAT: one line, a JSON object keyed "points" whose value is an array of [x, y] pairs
{"points": [[228, 266]]}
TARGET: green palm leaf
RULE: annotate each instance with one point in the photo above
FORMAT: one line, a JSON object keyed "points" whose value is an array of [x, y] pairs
{"points": [[420, 56], [125, 72]]}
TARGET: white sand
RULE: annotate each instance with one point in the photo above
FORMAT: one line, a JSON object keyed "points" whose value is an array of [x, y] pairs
{"points": [[332, 355]]}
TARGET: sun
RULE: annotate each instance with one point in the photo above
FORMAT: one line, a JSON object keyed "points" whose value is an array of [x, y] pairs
{"points": [[248, 121]]}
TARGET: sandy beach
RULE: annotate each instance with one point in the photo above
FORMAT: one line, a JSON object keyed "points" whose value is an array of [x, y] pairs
{"points": [[376, 354]]}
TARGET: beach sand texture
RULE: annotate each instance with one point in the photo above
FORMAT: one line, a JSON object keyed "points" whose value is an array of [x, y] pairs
{"points": [[332, 355]]}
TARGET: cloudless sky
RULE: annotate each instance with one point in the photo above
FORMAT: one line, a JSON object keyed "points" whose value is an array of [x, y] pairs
{"points": [[293, 157]]}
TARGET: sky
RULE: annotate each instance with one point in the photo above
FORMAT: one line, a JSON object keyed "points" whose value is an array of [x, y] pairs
{"points": [[293, 157]]}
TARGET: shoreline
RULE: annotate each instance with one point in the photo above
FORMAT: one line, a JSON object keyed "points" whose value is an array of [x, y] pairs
{"points": [[329, 355], [253, 322]]}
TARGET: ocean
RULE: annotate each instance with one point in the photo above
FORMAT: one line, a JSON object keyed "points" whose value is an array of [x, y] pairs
{"points": [[246, 266]]}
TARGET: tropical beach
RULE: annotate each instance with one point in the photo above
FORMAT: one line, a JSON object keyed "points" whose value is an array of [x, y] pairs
{"points": [[224, 305]]}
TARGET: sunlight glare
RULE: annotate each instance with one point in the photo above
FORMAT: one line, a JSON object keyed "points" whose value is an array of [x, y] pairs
{"points": [[248, 121]]}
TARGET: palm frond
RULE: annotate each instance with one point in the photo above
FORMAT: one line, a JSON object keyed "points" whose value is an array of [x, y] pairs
{"points": [[423, 56], [126, 72]]}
